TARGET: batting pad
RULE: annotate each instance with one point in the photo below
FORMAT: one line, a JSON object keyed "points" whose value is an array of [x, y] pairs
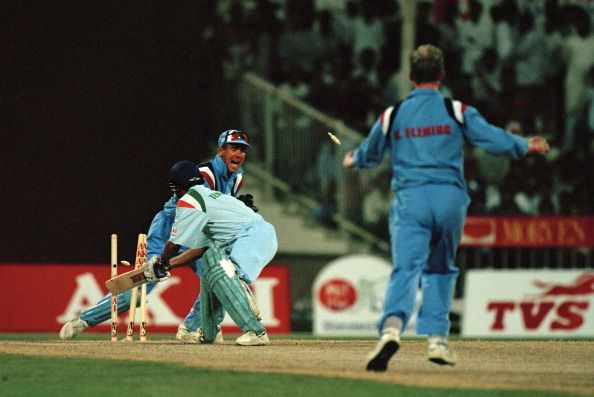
{"points": [[219, 274], [211, 312]]}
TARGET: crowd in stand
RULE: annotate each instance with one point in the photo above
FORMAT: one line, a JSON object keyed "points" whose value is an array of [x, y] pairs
{"points": [[526, 65]]}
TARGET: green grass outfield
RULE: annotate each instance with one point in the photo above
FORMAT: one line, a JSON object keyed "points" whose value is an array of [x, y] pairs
{"points": [[22, 375]]}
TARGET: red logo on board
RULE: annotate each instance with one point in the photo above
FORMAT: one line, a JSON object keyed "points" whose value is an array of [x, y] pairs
{"points": [[337, 294], [583, 285]]}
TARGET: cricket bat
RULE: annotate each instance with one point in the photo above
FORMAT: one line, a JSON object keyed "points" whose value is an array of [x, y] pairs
{"points": [[126, 281]]}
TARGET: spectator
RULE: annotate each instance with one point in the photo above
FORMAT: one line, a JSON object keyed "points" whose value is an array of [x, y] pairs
{"points": [[553, 69], [366, 68], [530, 60], [299, 45], [329, 41], [584, 126], [345, 27], [534, 194], [475, 187], [425, 28], [504, 17], [458, 84], [368, 31], [487, 86], [494, 172], [578, 52], [264, 45], [474, 36], [447, 27], [296, 85], [390, 60], [323, 85]]}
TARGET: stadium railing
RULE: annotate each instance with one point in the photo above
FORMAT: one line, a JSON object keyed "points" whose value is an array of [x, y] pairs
{"points": [[296, 160]]}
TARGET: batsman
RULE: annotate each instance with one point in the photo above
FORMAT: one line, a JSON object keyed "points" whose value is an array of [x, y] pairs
{"points": [[235, 244]]}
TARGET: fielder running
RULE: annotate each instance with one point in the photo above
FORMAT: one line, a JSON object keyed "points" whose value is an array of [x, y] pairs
{"points": [[425, 135]]}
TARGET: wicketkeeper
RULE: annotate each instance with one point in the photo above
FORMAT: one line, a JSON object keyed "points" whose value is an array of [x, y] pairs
{"points": [[224, 173]]}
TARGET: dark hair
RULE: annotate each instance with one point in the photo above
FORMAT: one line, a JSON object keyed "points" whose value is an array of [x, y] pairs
{"points": [[426, 64]]}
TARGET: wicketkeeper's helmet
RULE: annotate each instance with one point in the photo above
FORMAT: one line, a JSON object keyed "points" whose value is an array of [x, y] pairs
{"points": [[184, 174]]}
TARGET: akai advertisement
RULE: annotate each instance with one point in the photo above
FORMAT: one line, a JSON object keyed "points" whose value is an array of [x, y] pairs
{"points": [[42, 297]]}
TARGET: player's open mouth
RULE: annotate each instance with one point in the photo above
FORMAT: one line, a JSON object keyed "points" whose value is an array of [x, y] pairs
{"points": [[236, 161]]}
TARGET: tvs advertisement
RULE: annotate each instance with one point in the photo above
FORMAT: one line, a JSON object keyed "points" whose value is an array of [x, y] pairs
{"points": [[529, 303], [41, 297]]}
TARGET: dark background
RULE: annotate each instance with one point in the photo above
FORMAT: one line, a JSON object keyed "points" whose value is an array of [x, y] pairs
{"points": [[98, 101]]}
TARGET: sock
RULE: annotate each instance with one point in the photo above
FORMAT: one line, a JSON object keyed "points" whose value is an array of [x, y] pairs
{"points": [[392, 322]]}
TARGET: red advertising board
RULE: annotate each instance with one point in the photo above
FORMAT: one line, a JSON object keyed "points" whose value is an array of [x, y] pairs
{"points": [[528, 231], [41, 297]]}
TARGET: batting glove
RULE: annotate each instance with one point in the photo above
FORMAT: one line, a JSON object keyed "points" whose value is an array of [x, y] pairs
{"points": [[155, 270]]}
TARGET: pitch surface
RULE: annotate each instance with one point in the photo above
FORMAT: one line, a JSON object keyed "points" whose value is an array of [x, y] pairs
{"points": [[564, 366]]}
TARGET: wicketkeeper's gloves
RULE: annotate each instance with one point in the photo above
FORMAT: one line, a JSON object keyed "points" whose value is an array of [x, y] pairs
{"points": [[248, 200]]}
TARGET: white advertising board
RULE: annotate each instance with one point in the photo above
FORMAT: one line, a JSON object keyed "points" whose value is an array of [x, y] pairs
{"points": [[348, 296], [529, 303]]}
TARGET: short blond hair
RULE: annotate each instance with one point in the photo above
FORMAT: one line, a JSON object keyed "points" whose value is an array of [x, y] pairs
{"points": [[426, 64]]}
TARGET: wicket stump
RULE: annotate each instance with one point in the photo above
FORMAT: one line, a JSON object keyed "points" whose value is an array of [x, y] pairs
{"points": [[140, 259], [114, 297]]}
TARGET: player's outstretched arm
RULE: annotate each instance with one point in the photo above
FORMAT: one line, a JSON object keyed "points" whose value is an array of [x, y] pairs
{"points": [[538, 144]]}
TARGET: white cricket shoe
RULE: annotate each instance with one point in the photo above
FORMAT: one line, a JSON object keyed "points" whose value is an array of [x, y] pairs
{"points": [[186, 336], [387, 346], [440, 352], [73, 328], [251, 339]]}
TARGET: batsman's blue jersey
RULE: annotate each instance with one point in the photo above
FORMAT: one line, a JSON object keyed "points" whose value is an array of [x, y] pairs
{"points": [[426, 143], [206, 218]]}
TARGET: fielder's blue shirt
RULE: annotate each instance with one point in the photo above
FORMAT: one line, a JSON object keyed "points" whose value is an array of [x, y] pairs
{"points": [[426, 143]]}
